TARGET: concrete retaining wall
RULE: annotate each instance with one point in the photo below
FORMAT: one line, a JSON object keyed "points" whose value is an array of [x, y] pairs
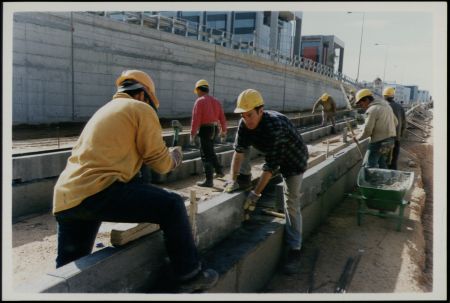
{"points": [[65, 65], [324, 186]]}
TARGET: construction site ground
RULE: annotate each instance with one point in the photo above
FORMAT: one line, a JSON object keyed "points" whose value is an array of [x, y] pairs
{"points": [[391, 262]]}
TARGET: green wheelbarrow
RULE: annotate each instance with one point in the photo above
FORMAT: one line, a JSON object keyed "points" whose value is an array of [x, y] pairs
{"points": [[381, 193]]}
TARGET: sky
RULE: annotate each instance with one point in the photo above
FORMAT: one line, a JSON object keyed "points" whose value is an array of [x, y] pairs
{"points": [[406, 43]]}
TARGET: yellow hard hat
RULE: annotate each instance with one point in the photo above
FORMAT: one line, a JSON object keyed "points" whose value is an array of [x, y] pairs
{"points": [[363, 93], [389, 91], [141, 77], [324, 97], [248, 100], [199, 83]]}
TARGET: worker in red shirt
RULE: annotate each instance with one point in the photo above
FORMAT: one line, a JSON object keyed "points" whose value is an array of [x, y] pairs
{"points": [[207, 116]]}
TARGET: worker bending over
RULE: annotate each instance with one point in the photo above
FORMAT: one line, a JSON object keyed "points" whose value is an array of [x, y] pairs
{"points": [[399, 112], [328, 110], [98, 183], [273, 134], [380, 124], [206, 116]]}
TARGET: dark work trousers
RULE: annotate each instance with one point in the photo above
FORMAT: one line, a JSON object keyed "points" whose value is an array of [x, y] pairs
{"points": [[378, 154], [395, 153], [132, 202], [207, 134]]}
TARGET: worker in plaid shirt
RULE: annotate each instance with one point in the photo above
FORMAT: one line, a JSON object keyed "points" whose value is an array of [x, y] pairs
{"points": [[276, 137]]}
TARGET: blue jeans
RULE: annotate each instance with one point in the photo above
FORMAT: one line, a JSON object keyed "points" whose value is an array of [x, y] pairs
{"points": [[379, 153], [292, 207], [132, 202]]}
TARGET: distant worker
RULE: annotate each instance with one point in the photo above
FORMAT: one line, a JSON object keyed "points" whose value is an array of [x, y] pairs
{"points": [[380, 125], [207, 116], [99, 182], [278, 139], [328, 110], [388, 94], [351, 97]]}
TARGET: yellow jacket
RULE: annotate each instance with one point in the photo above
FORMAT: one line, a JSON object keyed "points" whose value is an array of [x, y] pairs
{"points": [[328, 106], [121, 136]]}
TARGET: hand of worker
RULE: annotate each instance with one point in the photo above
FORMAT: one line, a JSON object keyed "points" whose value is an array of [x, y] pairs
{"points": [[250, 202], [313, 112], [223, 137], [230, 186], [177, 156], [193, 140], [355, 140]]}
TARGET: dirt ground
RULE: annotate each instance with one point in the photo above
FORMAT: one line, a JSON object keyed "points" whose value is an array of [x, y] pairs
{"points": [[391, 261]]}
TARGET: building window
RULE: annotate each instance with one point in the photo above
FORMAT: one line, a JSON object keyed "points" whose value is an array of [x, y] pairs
{"points": [[216, 21]]}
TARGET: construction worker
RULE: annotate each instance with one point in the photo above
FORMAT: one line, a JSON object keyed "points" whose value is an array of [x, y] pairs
{"points": [[274, 135], [328, 110], [207, 114], [399, 112], [98, 183], [380, 125], [351, 97]]}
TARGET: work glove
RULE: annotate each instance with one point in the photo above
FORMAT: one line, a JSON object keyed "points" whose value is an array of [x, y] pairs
{"points": [[177, 156], [223, 137], [193, 140], [230, 186], [250, 202]]}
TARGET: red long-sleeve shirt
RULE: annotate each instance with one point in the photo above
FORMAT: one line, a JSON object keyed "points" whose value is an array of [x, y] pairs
{"points": [[207, 109]]}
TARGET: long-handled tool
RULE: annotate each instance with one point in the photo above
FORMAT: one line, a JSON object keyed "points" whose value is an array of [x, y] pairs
{"points": [[340, 287], [354, 137], [177, 128], [348, 273], [311, 273]]}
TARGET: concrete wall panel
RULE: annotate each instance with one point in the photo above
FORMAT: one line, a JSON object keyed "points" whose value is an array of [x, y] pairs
{"points": [[103, 48]]}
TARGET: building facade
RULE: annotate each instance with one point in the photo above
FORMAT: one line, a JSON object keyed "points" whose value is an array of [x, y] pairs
{"points": [[327, 50], [423, 96], [274, 31]]}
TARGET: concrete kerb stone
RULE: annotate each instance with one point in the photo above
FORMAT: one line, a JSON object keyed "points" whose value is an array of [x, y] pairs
{"points": [[325, 184], [87, 274]]}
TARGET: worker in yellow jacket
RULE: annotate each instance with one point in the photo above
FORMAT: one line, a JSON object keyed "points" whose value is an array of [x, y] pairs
{"points": [[99, 182], [328, 110]]}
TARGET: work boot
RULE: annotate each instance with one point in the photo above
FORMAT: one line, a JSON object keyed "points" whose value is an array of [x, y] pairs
{"points": [[292, 263], [218, 168], [208, 182], [244, 181], [219, 174], [204, 280]]}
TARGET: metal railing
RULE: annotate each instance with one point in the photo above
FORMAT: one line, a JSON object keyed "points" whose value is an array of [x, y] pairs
{"points": [[191, 29]]}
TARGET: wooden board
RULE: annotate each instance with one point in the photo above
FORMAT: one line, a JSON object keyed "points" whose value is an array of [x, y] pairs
{"points": [[123, 233]]}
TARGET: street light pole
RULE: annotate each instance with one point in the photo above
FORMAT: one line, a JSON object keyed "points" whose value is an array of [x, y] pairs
{"points": [[385, 58], [360, 45]]}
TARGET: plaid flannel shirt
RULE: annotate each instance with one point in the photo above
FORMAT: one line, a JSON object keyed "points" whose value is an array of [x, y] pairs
{"points": [[279, 140]]}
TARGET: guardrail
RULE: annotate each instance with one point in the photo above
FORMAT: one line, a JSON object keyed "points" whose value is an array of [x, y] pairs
{"points": [[226, 39]]}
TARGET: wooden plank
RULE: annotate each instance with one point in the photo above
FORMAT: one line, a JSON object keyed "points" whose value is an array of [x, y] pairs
{"points": [[123, 233], [193, 208], [332, 141]]}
